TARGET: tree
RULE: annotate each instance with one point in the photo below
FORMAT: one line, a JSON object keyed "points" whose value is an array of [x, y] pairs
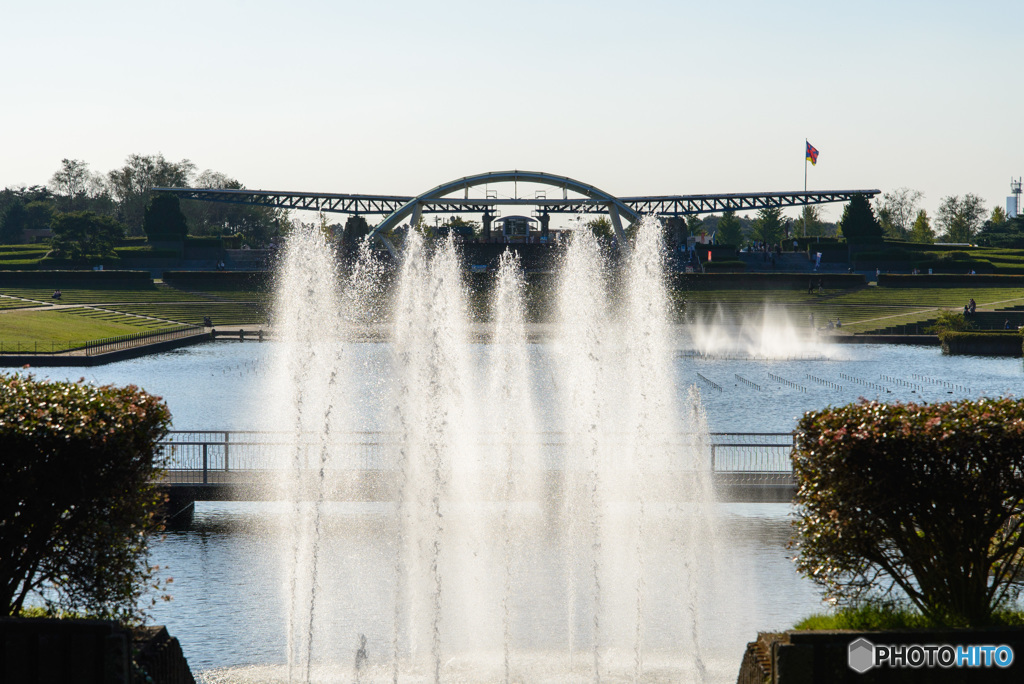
{"points": [[601, 227], [767, 227], [71, 184], [952, 321], [12, 223], [922, 231], [1009, 233], [163, 219], [809, 223], [960, 218], [82, 234], [729, 231], [78, 498], [694, 224], [356, 228], [859, 223], [914, 502], [463, 228], [130, 184], [255, 224], [896, 211], [998, 216]]}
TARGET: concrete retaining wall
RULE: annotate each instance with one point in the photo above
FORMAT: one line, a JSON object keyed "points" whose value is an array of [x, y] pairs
{"points": [[798, 657]]}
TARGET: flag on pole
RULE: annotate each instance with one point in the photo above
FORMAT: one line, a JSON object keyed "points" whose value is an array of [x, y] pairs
{"points": [[812, 154]]}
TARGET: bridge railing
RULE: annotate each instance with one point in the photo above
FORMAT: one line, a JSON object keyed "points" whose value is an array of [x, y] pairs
{"points": [[210, 456]]}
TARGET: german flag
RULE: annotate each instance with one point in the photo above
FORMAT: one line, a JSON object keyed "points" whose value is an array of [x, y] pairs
{"points": [[812, 154]]}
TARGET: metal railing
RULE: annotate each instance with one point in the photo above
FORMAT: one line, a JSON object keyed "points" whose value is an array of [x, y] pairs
{"points": [[102, 345], [212, 456]]}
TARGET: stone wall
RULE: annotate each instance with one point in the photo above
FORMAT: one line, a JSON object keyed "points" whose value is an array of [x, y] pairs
{"points": [[798, 657], [42, 650]]}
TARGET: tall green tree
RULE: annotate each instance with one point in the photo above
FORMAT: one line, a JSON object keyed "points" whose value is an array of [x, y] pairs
{"points": [[1007, 234], [960, 217], [809, 223], [71, 184], [729, 230], [163, 219], [768, 226], [39, 214], [858, 223], [998, 216], [356, 228], [896, 211], [130, 184], [12, 223], [83, 234], [921, 231]]}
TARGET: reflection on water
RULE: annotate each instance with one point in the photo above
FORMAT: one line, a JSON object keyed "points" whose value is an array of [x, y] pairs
{"points": [[213, 386], [228, 612]]}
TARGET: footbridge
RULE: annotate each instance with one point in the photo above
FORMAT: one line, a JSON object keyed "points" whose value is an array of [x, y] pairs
{"points": [[575, 198], [244, 466]]}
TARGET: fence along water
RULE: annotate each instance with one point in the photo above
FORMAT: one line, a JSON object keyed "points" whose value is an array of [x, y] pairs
{"points": [[103, 345]]}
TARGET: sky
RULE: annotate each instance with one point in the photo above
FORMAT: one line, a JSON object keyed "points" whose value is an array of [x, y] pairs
{"points": [[637, 98]]}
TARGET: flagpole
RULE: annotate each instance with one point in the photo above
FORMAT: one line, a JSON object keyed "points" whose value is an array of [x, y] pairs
{"points": [[805, 163]]}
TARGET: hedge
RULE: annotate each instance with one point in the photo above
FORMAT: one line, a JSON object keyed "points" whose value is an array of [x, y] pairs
{"points": [[948, 280], [52, 278], [147, 253], [733, 265], [219, 279], [1007, 343], [767, 281]]}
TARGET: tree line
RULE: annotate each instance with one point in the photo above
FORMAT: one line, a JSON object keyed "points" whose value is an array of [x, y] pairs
{"points": [[122, 195], [896, 215]]}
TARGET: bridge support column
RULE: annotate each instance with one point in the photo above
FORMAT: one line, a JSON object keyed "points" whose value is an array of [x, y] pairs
{"points": [[488, 218], [620, 234], [417, 213]]}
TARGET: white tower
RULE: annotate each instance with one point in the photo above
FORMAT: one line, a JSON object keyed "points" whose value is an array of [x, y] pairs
{"points": [[1013, 201]]}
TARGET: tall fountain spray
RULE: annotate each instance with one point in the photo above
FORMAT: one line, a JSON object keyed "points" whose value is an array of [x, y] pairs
{"points": [[550, 505]]}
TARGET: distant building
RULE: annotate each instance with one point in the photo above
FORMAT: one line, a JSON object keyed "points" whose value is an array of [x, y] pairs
{"points": [[518, 228]]}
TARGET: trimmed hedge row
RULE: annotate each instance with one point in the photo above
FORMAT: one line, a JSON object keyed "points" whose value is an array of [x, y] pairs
{"points": [[59, 278], [230, 280], [1007, 343], [732, 265], [949, 279], [767, 281]]}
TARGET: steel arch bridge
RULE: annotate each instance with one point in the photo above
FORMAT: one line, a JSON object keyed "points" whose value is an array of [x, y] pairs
{"points": [[396, 208]]}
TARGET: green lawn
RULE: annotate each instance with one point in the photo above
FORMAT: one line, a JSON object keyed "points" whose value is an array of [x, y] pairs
{"points": [[222, 313], [152, 292], [64, 328]]}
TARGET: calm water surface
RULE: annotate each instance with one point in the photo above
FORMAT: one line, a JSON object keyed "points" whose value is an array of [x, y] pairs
{"points": [[228, 607]]}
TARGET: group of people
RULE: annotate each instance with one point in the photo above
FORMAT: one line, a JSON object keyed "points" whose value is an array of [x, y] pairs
{"points": [[57, 294], [969, 308]]}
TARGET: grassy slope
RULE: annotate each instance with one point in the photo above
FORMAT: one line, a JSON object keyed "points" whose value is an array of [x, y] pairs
{"points": [[63, 326]]}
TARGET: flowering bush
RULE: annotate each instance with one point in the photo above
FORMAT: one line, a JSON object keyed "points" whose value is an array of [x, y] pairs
{"points": [[914, 501], [78, 500]]}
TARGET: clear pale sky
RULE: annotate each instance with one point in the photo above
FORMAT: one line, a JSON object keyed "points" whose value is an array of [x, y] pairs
{"points": [[642, 97]]}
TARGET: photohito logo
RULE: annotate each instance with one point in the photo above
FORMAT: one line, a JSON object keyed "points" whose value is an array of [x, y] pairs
{"points": [[864, 655]]}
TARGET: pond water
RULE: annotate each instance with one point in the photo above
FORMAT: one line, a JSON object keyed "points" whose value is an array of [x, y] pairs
{"points": [[220, 385], [228, 607]]}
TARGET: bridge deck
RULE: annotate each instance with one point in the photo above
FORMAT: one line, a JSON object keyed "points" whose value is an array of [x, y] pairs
{"points": [[240, 466]]}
